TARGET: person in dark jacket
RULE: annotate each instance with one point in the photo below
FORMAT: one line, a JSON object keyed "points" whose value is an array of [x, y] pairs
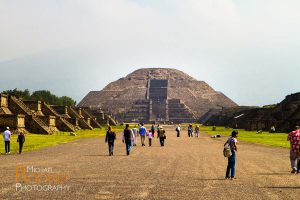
{"points": [[21, 140], [153, 130], [110, 139], [127, 138], [162, 136]]}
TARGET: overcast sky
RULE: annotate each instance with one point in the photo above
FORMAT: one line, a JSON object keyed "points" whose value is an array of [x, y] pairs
{"points": [[249, 50]]}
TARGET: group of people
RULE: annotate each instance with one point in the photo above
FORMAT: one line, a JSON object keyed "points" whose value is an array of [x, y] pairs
{"points": [[191, 130], [7, 138], [130, 137]]}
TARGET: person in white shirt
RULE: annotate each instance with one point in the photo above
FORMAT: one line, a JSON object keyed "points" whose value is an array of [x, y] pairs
{"points": [[178, 130], [135, 132], [6, 136], [150, 136]]}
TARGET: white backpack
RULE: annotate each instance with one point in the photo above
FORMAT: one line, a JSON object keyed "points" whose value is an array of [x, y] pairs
{"points": [[227, 150]]}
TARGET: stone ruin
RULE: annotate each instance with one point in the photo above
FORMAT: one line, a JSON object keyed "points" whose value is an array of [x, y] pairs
{"points": [[283, 117], [156, 95], [41, 118]]}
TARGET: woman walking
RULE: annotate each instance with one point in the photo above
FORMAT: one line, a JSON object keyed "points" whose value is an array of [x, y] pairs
{"points": [[197, 129], [110, 139], [232, 142]]}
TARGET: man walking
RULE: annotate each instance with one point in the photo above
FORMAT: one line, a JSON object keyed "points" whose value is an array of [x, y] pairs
{"points": [[127, 139], [6, 136], [190, 130], [143, 132], [294, 138], [21, 140]]}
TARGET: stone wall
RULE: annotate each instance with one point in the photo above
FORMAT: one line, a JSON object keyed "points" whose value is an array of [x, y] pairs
{"points": [[35, 106], [4, 104], [284, 116], [15, 122]]}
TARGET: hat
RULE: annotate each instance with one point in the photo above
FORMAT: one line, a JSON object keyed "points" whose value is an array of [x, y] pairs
{"points": [[7, 128]]}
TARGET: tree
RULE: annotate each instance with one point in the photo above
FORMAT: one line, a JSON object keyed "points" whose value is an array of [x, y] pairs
{"points": [[18, 93], [42, 95], [66, 101], [45, 95]]}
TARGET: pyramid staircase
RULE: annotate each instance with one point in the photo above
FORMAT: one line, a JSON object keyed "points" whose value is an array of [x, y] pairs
{"points": [[82, 122], [93, 120], [32, 122], [61, 122]]}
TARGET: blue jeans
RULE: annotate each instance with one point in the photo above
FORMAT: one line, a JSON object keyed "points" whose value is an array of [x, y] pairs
{"points": [[231, 165], [111, 147], [128, 146]]}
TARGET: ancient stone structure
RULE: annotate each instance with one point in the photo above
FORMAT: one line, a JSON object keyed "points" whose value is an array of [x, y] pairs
{"points": [[39, 117], [283, 116], [156, 94]]}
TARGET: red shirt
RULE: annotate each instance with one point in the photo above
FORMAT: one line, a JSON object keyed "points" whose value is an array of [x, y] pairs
{"points": [[294, 138]]}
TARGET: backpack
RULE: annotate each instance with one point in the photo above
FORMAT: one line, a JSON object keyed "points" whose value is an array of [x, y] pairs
{"points": [[227, 150]]}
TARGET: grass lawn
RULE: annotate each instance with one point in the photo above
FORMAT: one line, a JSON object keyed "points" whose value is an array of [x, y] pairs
{"points": [[266, 138], [36, 141]]}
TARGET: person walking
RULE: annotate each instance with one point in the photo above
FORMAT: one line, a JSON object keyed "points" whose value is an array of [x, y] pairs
{"points": [[21, 140], [150, 136], [6, 136], [153, 130], [162, 136], [127, 139], [110, 139], [190, 130], [232, 141], [197, 129], [178, 130], [294, 138], [142, 132], [135, 132]]}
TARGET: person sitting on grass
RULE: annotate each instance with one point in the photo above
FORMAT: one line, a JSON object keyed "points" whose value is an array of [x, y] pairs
{"points": [[232, 141], [21, 140]]}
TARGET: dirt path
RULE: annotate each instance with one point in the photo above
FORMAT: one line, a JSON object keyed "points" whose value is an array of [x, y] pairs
{"points": [[186, 168]]}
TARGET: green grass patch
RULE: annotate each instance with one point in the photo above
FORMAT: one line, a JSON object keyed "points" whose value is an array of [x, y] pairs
{"points": [[266, 138], [36, 141]]}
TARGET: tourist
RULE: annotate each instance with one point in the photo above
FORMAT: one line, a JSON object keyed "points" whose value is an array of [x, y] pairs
{"points": [[232, 141], [135, 132], [110, 139], [150, 136], [127, 138], [294, 138], [162, 136], [153, 130], [190, 130], [178, 130], [142, 132], [197, 129], [158, 129], [21, 140], [6, 136]]}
